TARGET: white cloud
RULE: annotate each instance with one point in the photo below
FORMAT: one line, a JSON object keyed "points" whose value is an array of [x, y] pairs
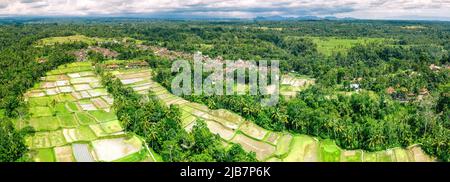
{"points": [[231, 8]]}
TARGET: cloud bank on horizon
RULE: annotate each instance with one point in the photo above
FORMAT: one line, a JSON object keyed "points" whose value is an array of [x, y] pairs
{"points": [[365, 9]]}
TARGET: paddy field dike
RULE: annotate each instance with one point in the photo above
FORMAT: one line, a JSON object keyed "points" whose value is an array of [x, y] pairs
{"points": [[71, 113]]}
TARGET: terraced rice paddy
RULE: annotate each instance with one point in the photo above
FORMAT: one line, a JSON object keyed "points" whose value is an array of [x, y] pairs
{"points": [[290, 85], [268, 145], [71, 113]]}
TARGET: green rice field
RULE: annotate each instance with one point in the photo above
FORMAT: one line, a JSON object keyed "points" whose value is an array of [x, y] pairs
{"points": [[268, 145], [63, 116], [330, 45], [69, 39]]}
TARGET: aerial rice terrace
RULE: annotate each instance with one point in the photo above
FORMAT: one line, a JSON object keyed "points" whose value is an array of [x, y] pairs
{"points": [[338, 89], [71, 113], [268, 145], [291, 84]]}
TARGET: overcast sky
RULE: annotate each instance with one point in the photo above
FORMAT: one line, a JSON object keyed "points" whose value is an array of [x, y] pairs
{"points": [[367, 9]]}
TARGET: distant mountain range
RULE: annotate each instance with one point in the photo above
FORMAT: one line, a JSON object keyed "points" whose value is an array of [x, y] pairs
{"points": [[282, 18], [59, 19]]}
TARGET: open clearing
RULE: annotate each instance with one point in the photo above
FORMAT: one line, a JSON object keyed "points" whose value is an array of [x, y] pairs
{"points": [[330, 45], [69, 39]]}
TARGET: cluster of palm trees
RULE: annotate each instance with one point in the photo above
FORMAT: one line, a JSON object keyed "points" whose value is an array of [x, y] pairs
{"points": [[360, 121]]}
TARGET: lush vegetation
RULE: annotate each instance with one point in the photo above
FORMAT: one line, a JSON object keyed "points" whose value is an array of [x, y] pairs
{"points": [[402, 77], [162, 130], [20, 71], [12, 146], [360, 121], [401, 99]]}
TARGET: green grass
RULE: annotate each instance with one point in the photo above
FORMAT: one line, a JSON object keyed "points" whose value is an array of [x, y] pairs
{"points": [[103, 116], [66, 98], [330, 45], [135, 157], [401, 154], [77, 64], [357, 157], [53, 73], [51, 78], [85, 101], [286, 88], [74, 69], [299, 76], [98, 130], [186, 108], [20, 123], [156, 156], [84, 133], [99, 91], [138, 83], [121, 62], [133, 40], [47, 123], [44, 155], [61, 109], [41, 111], [85, 119], [273, 159], [56, 138], [299, 147], [68, 120], [383, 156], [39, 101], [69, 68], [111, 127], [72, 106], [329, 151], [369, 157], [187, 120], [69, 39], [186, 117], [283, 146]]}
